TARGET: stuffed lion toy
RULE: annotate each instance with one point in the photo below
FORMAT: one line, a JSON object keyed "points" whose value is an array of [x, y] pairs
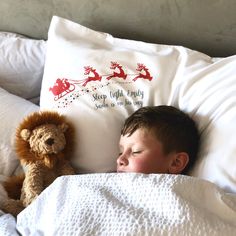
{"points": [[44, 142]]}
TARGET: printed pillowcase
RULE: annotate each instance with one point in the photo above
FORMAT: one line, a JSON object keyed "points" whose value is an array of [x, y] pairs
{"points": [[98, 81]]}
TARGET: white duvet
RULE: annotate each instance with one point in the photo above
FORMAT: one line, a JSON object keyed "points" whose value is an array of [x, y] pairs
{"points": [[129, 204]]}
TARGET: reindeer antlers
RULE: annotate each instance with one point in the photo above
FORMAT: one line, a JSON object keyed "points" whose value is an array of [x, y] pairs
{"points": [[141, 65], [87, 68], [113, 63]]}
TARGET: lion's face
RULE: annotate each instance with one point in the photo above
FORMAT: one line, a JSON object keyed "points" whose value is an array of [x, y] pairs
{"points": [[46, 139]]}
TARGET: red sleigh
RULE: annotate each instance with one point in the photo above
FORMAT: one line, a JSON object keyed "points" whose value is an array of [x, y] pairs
{"points": [[61, 88]]}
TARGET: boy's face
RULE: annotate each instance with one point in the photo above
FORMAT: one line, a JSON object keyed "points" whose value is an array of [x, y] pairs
{"points": [[142, 153]]}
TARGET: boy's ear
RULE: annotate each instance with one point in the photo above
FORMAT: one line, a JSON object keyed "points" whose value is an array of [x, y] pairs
{"points": [[178, 163]]}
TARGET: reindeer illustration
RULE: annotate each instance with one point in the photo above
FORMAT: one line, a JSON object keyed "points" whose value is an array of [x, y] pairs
{"points": [[61, 88], [120, 74], [143, 72], [95, 77]]}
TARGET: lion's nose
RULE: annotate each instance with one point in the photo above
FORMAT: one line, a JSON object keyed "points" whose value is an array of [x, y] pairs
{"points": [[50, 141]]}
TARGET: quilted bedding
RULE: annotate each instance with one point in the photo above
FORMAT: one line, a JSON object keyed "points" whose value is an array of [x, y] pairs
{"points": [[129, 204]]}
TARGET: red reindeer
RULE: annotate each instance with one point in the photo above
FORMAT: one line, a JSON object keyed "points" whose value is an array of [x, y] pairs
{"points": [[143, 72], [95, 77], [120, 74], [61, 88]]}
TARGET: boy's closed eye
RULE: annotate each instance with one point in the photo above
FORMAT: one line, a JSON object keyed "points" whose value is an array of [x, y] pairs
{"points": [[136, 152], [133, 153]]}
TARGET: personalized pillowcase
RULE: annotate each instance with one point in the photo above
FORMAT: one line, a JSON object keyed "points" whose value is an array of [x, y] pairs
{"points": [[98, 80]]}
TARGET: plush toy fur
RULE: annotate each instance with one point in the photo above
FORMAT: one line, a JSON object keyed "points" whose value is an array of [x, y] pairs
{"points": [[44, 142]]}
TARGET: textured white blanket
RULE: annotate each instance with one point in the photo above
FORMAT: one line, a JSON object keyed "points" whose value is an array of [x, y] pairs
{"points": [[130, 204]]}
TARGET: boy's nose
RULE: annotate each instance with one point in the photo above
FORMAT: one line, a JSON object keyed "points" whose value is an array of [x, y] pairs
{"points": [[122, 160]]}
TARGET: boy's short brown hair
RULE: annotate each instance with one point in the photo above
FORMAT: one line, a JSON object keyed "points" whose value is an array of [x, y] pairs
{"points": [[171, 126]]}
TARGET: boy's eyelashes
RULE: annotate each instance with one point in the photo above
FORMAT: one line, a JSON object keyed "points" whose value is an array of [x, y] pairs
{"points": [[132, 152], [136, 152]]}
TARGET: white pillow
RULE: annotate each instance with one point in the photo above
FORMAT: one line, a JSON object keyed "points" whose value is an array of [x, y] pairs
{"points": [[77, 82], [21, 64], [13, 110]]}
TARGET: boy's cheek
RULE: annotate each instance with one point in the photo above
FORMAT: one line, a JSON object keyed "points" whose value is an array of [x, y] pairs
{"points": [[138, 166]]}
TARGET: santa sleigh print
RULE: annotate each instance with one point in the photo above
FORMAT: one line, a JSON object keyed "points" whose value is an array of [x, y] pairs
{"points": [[64, 86], [61, 88]]}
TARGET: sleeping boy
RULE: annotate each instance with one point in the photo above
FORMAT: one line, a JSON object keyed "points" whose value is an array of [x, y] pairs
{"points": [[158, 139]]}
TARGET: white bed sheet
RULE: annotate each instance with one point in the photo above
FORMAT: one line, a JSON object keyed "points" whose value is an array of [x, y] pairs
{"points": [[7, 225], [130, 204]]}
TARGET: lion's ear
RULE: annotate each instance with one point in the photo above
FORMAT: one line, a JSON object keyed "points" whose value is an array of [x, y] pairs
{"points": [[63, 127], [25, 134]]}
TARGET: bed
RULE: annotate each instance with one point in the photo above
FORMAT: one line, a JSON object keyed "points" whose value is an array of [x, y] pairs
{"points": [[112, 57]]}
